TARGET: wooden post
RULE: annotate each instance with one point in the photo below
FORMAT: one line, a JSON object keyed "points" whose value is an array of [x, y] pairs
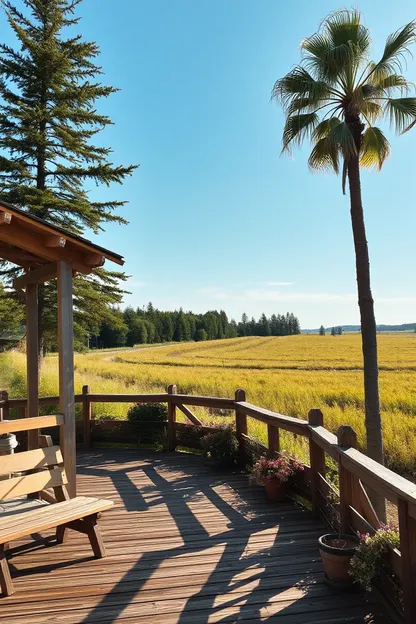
{"points": [[317, 460], [21, 412], [273, 439], [4, 411], [240, 424], [347, 481], [66, 372], [171, 419], [407, 527], [86, 415], [32, 367], [240, 417]]}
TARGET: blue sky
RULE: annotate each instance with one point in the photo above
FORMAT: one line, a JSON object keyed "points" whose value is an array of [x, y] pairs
{"points": [[217, 217]]}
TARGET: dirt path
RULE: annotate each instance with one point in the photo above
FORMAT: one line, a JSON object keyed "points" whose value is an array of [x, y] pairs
{"points": [[109, 357]]}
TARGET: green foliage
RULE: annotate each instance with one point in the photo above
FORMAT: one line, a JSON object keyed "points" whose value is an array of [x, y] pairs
{"points": [[337, 93], [150, 325], [11, 316], [147, 421], [221, 446], [49, 90], [322, 330], [366, 563], [201, 334]]}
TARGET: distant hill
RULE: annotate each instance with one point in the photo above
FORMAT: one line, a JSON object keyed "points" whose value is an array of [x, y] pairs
{"points": [[405, 327]]}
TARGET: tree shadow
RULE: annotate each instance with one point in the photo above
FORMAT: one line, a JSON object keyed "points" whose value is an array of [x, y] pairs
{"points": [[243, 577], [252, 571]]}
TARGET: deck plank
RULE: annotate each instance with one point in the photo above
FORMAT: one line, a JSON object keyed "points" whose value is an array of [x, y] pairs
{"points": [[185, 545]]}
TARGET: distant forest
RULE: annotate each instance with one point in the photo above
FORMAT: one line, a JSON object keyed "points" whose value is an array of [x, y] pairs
{"points": [[149, 325]]}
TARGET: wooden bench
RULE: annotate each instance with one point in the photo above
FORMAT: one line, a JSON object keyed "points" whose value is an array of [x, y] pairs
{"points": [[44, 471]]}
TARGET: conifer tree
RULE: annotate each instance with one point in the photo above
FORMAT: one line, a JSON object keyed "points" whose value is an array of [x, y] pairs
{"points": [[322, 330], [49, 87]]}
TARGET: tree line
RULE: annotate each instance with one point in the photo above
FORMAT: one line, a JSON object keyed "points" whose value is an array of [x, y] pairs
{"points": [[149, 325]]}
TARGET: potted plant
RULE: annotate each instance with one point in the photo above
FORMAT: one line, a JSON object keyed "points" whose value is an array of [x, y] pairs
{"points": [[337, 551], [275, 475], [221, 446], [367, 560]]}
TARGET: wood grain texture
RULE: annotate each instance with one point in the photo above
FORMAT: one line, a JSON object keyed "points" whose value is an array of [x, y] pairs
{"points": [[66, 372], [32, 364], [185, 545], [30, 460], [29, 484], [26, 424]]}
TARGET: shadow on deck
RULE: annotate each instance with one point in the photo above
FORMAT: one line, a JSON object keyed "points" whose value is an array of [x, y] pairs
{"points": [[185, 545]]}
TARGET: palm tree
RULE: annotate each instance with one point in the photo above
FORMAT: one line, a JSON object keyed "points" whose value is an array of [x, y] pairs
{"points": [[334, 97]]}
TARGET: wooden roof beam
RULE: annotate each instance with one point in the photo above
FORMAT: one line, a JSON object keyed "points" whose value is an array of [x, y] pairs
{"points": [[36, 276], [55, 241], [5, 218], [28, 240]]}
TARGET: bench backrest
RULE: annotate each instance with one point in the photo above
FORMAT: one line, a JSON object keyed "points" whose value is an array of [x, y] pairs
{"points": [[47, 461], [44, 465]]}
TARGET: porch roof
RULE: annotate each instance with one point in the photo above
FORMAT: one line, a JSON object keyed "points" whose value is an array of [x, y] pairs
{"points": [[31, 242]]}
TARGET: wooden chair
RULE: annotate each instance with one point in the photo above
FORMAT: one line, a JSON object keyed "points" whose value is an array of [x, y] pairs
{"points": [[44, 470]]}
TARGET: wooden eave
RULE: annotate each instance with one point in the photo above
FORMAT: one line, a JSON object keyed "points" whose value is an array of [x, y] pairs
{"points": [[32, 243]]}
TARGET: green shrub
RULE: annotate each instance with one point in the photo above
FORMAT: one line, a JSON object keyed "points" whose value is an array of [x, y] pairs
{"points": [[148, 422], [221, 446]]}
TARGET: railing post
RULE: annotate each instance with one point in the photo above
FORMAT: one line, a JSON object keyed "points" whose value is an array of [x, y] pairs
{"points": [[347, 438], [273, 440], [21, 412], [316, 459], [407, 528], [171, 419], [240, 417], [86, 416], [240, 423], [4, 411]]}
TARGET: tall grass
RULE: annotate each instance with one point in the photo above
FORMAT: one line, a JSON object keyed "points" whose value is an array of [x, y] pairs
{"points": [[289, 375]]}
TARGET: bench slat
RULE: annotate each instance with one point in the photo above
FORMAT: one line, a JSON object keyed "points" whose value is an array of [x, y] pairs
{"points": [[50, 516], [29, 460], [27, 424], [28, 484]]}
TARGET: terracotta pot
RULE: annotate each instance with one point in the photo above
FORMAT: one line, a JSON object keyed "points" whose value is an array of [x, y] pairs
{"points": [[276, 491], [336, 550]]}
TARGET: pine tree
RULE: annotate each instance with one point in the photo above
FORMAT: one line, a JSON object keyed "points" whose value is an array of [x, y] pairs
{"points": [[11, 313], [322, 330], [48, 118]]}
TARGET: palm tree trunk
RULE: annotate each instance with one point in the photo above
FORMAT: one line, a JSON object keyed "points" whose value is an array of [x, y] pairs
{"points": [[368, 328]]}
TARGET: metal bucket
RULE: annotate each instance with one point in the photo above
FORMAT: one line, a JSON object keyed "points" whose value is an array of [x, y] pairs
{"points": [[8, 443]]}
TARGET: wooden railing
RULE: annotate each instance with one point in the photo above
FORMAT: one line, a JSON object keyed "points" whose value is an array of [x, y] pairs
{"points": [[347, 509]]}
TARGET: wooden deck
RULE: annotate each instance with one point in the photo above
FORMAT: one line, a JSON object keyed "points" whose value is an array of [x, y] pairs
{"points": [[185, 545]]}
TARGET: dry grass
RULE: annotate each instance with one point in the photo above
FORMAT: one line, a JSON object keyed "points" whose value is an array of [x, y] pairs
{"points": [[289, 375]]}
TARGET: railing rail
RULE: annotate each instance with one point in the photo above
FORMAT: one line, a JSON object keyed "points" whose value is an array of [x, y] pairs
{"points": [[356, 470]]}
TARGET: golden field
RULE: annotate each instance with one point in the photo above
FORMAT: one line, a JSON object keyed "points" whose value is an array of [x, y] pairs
{"points": [[287, 374]]}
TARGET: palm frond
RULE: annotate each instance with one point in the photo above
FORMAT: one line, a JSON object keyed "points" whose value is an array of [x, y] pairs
{"points": [[324, 128], [375, 148], [402, 113], [371, 110], [297, 127], [336, 51], [299, 84], [324, 156], [345, 27], [388, 82], [342, 136], [395, 50]]}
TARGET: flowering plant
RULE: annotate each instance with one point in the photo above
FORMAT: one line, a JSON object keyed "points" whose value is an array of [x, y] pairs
{"points": [[281, 469], [365, 564]]}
